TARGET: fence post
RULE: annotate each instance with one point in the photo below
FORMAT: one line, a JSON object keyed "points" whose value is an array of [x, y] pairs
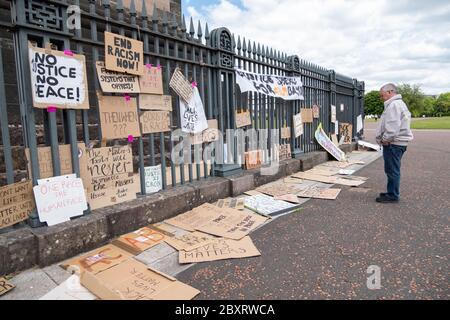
{"points": [[293, 65], [332, 79]]}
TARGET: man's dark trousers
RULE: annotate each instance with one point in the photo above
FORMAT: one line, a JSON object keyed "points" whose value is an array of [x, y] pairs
{"points": [[392, 155]]}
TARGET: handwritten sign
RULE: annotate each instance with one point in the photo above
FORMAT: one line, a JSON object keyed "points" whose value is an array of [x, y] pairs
{"points": [[123, 54], [151, 81], [345, 130], [142, 239], [236, 203], [190, 241], [287, 88], [118, 117], [298, 125], [181, 86], [253, 159], [333, 113], [58, 80], [16, 203], [155, 121], [155, 102], [5, 286], [328, 145], [316, 111], [115, 82], [192, 113], [307, 115], [153, 179], [284, 152], [243, 119], [286, 133], [264, 204], [59, 198]]}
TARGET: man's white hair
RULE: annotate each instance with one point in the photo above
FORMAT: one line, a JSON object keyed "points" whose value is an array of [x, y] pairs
{"points": [[389, 87]]}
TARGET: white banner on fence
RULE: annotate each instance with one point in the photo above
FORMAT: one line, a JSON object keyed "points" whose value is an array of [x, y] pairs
{"points": [[287, 88], [193, 119], [328, 145], [153, 179], [359, 123]]}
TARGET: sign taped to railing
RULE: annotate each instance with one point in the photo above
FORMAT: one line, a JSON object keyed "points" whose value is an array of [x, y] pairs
{"points": [[115, 82], [123, 54], [287, 88], [328, 145]]}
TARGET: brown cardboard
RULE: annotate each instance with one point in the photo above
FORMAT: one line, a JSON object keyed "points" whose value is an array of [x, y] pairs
{"points": [[190, 241], [316, 111], [288, 197], [17, 203], [307, 115], [140, 240], [151, 81], [123, 54], [16, 193], [115, 82], [298, 125], [322, 172], [320, 193], [277, 189], [97, 260], [330, 180], [5, 286], [335, 140], [284, 151], [181, 86], [155, 102], [252, 192], [118, 117], [212, 133], [236, 203], [155, 121], [221, 249], [286, 133], [345, 131], [292, 180], [132, 280], [243, 119], [253, 159], [198, 216]]}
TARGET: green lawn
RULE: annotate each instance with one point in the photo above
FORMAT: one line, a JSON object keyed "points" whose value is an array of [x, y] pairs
{"points": [[431, 123]]}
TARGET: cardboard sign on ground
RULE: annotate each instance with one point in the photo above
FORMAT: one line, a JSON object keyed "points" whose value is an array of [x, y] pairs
{"points": [[286, 133], [58, 80], [298, 125], [115, 82], [16, 203], [140, 240], [307, 115], [278, 189], [316, 111], [132, 280], [322, 172], [335, 140], [151, 81], [243, 119], [292, 180], [346, 172], [212, 132], [333, 113], [369, 146], [252, 192], [231, 203], [118, 117], [155, 102], [71, 289], [97, 260], [330, 180], [5, 286], [153, 179], [284, 151], [320, 193], [288, 197], [198, 216], [345, 130], [123, 54], [267, 205], [181, 86], [155, 121], [190, 241], [221, 249]]}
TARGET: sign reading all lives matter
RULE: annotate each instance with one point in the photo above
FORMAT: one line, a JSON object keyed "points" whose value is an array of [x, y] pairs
{"points": [[115, 82], [16, 203], [123, 54], [58, 80]]}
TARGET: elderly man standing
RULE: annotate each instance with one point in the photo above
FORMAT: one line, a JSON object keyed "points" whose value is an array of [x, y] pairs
{"points": [[393, 134]]}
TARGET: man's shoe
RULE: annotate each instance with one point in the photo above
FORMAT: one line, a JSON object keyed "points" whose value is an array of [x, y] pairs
{"points": [[386, 199], [383, 194]]}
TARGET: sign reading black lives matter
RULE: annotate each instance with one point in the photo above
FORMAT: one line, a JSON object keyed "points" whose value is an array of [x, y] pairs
{"points": [[58, 80], [123, 54], [287, 88]]}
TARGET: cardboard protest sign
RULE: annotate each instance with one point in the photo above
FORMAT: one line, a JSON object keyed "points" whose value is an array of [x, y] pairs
{"points": [[320, 193], [286, 133], [328, 145], [277, 188], [190, 241], [118, 117], [284, 87], [235, 203], [115, 82], [16, 203], [181, 86], [316, 111], [298, 125], [153, 179], [58, 80], [284, 152], [368, 145], [253, 159], [252, 192], [346, 132], [198, 216], [59, 198], [264, 204], [192, 113], [155, 121], [97, 260], [337, 164], [288, 197], [5, 286], [333, 113], [155, 102], [123, 54], [221, 249], [243, 119], [307, 115], [346, 172], [141, 240], [132, 280], [151, 81], [322, 172], [330, 180], [292, 180], [212, 132], [335, 140], [71, 289]]}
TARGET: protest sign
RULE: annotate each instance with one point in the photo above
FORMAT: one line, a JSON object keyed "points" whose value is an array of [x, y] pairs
{"points": [[284, 87], [123, 54], [132, 280], [319, 193], [58, 80], [284, 151], [346, 132], [181, 86], [118, 117], [198, 216], [286, 133], [115, 82], [220, 249], [359, 123], [141, 240], [288, 197], [155, 121], [234, 203], [328, 145], [71, 289], [368, 145], [346, 172], [264, 204], [307, 115], [278, 189], [5, 286], [316, 111], [16, 203], [253, 159], [212, 132], [155, 102], [335, 140], [151, 81], [243, 119], [59, 198], [153, 179], [190, 241], [329, 180], [298, 125], [192, 113], [333, 113]]}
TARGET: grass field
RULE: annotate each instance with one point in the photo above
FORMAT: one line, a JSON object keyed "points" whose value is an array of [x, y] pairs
{"points": [[427, 123]]}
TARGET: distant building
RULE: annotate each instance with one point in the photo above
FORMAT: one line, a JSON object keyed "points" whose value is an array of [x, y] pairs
{"points": [[172, 6]]}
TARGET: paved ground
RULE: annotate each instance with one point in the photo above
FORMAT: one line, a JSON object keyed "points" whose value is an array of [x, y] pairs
{"points": [[324, 251]]}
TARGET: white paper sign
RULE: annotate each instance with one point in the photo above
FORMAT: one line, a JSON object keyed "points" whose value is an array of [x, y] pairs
{"points": [[59, 198], [193, 119], [369, 145], [333, 114], [342, 107], [328, 145], [298, 125], [153, 180], [264, 204], [359, 123], [336, 128]]}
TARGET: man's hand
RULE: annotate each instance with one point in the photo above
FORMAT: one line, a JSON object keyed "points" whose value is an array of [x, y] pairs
{"points": [[385, 143]]}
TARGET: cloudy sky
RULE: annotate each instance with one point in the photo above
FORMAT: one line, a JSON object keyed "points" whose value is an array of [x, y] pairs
{"points": [[377, 41]]}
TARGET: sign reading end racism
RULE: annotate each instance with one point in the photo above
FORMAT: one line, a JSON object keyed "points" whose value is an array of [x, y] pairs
{"points": [[123, 54]]}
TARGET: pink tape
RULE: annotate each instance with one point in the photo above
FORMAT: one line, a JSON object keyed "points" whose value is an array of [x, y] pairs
{"points": [[68, 52], [149, 66], [127, 97], [193, 84], [51, 109], [159, 66], [130, 138]]}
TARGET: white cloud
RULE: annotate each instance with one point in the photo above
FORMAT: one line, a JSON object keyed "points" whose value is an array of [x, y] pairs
{"points": [[375, 41]]}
